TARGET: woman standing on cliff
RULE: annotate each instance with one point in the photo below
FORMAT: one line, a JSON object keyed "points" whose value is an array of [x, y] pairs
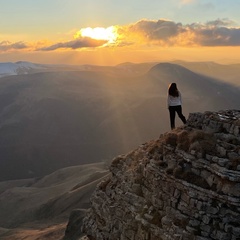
{"points": [[175, 104]]}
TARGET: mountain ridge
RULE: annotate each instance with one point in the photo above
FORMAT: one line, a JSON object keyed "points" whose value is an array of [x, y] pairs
{"points": [[184, 185]]}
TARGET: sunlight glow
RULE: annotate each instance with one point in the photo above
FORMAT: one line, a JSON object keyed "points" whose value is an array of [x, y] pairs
{"points": [[99, 33]]}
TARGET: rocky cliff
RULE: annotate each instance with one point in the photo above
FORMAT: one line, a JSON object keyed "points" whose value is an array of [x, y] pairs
{"points": [[184, 185]]}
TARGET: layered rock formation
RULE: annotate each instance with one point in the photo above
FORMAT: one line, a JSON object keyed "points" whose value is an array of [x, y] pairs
{"points": [[185, 185]]}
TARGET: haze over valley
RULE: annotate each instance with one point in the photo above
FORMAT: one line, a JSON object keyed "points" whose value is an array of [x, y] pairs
{"points": [[61, 126], [62, 116]]}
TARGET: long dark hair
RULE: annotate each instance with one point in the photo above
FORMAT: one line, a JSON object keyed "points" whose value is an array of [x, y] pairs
{"points": [[172, 90]]}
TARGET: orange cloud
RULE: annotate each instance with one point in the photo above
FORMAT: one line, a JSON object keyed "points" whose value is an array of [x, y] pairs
{"points": [[168, 33], [152, 32], [9, 46], [85, 42], [144, 33]]}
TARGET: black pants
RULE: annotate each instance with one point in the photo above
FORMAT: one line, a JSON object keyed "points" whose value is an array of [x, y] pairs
{"points": [[172, 111]]}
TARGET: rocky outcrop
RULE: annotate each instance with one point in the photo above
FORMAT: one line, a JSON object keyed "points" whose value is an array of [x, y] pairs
{"points": [[185, 185], [73, 231]]}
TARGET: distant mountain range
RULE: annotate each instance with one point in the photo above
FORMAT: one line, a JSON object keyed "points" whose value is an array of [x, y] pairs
{"points": [[54, 116], [230, 72], [9, 68], [23, 67]]}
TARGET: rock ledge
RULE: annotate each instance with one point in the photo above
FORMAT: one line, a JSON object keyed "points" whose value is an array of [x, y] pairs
{"points": [[185, 185]]}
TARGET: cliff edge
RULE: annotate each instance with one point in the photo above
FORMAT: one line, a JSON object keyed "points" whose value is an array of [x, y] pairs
{"points": [[184, 185]]}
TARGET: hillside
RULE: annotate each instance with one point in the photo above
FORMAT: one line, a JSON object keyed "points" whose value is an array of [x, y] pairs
{"points": [[41, 207], [184, 185], [54, 119]]}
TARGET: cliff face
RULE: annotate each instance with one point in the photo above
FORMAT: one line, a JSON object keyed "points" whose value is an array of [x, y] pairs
{"points": [[185, 185]]}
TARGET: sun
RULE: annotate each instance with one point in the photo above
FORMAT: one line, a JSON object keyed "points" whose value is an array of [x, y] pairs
{"points": [[99, 33]]}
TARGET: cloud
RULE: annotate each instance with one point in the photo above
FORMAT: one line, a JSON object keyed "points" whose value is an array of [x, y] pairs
{"points": [[85, 42], [147, 33], [187, 1], [216, 33], [162, 32], [221, 22], [155, 30], [8, 46], [218, 37]]}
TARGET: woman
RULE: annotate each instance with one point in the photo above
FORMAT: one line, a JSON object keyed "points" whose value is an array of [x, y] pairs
{"points": [[175, 104]]}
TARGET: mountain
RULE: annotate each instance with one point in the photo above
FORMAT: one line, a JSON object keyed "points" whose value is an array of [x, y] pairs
{"points": [[206, 91], [21, 67], [41, 207], [227, 73], [58, 118], [24, 68], [183, 185]]}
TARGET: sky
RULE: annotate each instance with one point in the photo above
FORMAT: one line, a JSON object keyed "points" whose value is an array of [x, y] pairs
{"points": [[110, 32]]}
